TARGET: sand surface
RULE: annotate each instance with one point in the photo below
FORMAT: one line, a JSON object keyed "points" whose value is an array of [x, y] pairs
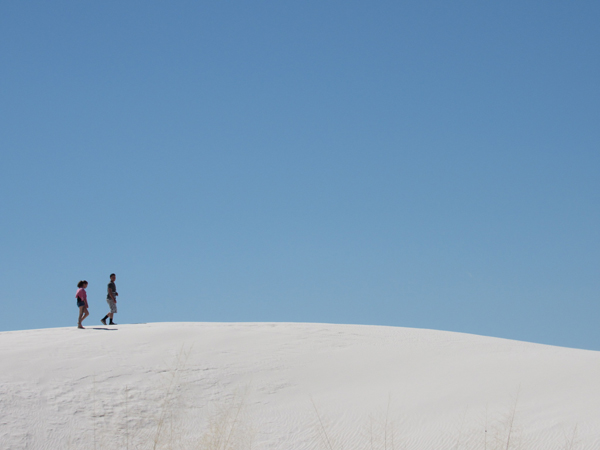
{"points": [[291, 386]]}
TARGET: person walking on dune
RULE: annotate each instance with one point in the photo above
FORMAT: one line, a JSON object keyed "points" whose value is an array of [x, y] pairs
{"points": [[111, 299], [82, 302]]}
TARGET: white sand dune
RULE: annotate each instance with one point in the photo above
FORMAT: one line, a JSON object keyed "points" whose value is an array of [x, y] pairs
{"points": [[295, 386]]}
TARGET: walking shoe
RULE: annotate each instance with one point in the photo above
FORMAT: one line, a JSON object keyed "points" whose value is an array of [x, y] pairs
{"points": [[103, 321], [112, 323]]}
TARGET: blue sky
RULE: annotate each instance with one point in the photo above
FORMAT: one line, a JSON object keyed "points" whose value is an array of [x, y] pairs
{"points": [[420, 164]]}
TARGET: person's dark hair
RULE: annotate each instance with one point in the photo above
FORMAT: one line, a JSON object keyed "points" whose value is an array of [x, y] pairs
{"points": [[81, 283], [112, 275]]}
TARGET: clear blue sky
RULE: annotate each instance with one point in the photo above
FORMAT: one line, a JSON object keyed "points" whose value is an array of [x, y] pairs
{"points": [[426, 164]]}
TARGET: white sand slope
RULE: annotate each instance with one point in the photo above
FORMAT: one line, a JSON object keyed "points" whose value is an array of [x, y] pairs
{"points": [[295, 386]]}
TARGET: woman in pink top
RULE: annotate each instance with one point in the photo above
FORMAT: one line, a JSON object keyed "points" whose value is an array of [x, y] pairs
{"points": [[82, 302]]}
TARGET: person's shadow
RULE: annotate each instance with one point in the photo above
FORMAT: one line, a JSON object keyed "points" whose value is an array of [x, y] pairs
{"points": [[104, 329]]}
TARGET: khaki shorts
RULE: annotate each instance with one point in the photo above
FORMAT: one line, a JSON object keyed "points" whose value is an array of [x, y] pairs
{"points": [[112, 304]]}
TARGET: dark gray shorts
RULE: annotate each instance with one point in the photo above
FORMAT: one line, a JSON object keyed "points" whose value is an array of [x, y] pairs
{"points": [[112, 304]]}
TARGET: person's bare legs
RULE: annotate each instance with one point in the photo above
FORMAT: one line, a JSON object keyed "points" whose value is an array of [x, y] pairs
{"points": [[81, 312]]}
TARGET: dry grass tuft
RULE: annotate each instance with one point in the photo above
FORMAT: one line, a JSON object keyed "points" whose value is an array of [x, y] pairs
{"points": [[228, 427]]}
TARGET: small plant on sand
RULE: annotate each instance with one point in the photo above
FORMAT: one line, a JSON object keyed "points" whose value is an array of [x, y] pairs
{"points": [[379, 433], [165, 419], [507, 433], [571, 440], [227, 427], [499, 432]]}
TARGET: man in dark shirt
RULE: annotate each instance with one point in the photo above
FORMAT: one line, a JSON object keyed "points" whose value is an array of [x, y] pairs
{"points": [[111, 299]]}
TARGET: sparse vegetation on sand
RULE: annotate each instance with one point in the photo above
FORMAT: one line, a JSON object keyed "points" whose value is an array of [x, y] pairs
{"points": [[228, 425]]}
